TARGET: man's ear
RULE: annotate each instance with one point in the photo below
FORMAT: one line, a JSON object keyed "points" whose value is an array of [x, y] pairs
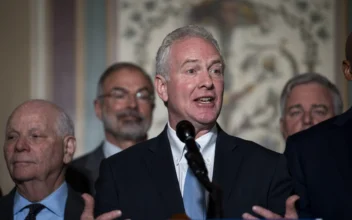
{"points": [[346, 68], [160, 85], [98, 105], [69, 149]]}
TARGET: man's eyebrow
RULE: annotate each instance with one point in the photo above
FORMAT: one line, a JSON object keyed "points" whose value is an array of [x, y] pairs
{"points": [[119, 89], [9, 129], [144, 88], [34, 129], [215, 61], [189, 61], [299, 106], [320, 106]]}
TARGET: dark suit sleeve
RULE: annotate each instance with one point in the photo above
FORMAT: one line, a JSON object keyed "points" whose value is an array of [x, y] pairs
{"points": [[78, 180], [280, 187], [106, 197], [299, 185]]}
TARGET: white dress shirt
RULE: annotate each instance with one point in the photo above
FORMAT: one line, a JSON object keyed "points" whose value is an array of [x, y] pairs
{"points": [[207, 149], [109, 149]]}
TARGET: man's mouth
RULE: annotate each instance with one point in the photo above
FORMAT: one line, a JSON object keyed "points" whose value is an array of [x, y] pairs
{"points": [[22, 163], [205, 100], [130, 118]]}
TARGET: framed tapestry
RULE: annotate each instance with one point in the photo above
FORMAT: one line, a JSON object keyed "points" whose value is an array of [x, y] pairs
{"points": [[264, 43]]}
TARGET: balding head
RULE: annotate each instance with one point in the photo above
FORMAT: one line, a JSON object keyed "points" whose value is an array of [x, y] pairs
{"points": [[63, 123], [39, 142], [346, 64]]}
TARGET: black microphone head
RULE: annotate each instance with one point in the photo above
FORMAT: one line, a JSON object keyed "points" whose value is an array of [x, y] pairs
{"points": [[185, 130]]}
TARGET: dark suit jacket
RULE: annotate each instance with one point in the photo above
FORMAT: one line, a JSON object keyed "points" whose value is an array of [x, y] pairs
{"points": [[73, 209], [141, 181], [84, 171], [320, 161]]}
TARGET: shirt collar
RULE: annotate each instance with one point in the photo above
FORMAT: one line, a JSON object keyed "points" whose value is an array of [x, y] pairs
{"points": [[205, 141], [109, 149], [55, 202]]}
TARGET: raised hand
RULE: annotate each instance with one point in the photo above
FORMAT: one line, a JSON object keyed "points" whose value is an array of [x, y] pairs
{"points": [[88, 211], [290, 213]]}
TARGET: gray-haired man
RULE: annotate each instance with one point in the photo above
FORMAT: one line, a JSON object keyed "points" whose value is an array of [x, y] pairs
{"points": [[306, 100], [124, 104]]}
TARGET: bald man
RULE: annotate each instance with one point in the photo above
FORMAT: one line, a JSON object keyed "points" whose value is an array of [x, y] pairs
{"points": [[320, 162], [39, 143]]}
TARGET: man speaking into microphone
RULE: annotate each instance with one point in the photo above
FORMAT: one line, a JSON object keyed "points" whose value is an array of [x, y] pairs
{"points": [[152, 180]]}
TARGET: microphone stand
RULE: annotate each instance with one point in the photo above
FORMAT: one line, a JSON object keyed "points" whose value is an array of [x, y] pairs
{"points": [[185, 132]]}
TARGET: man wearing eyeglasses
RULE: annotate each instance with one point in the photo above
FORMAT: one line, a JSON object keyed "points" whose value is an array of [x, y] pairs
{"points": [[124, 104]]}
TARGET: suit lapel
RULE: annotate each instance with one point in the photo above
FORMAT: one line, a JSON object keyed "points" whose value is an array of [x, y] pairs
{"points": [[6, 205], [93, 163], [162, 171], [228, 159], [74, 205]]}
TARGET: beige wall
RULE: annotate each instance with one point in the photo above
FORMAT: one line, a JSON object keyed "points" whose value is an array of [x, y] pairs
{"points": [[15, 67]]}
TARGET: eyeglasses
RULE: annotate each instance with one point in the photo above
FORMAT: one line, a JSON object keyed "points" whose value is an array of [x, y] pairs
{"points": [[121, 94]]}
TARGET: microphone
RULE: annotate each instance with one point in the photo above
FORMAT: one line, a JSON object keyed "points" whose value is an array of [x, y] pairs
{"points": [[186, 133], [185, 130]]}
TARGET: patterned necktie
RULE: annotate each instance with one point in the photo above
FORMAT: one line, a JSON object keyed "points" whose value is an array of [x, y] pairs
{"points": [[34, 209], [194, 197]]}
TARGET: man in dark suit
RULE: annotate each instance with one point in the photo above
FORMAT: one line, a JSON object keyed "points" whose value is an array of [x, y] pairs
{"points": [[39, 143], [152, 181], [320, 162], [124, 103]]}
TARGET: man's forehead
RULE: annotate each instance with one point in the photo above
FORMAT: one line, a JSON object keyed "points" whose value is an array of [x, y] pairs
{"points": [[30, 118], [310, 89], [125, 78], [191, 41], [194, 49]]}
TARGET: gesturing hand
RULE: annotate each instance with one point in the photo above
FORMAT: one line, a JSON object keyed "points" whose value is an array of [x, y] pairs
{"points": [[88, 211], [290, 213]]}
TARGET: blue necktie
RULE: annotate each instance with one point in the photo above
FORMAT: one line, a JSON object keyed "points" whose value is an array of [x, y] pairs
{"points": [[194, 197]]}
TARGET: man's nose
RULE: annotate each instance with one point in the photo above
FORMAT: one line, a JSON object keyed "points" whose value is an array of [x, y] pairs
{"points": [[132, 101], [206, 80], [22, 144], [307, 119]]}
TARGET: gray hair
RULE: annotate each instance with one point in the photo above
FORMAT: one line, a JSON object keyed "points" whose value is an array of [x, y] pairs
{"points": [[64, 124], [311, 78], [117, 67], [162, 67]]}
